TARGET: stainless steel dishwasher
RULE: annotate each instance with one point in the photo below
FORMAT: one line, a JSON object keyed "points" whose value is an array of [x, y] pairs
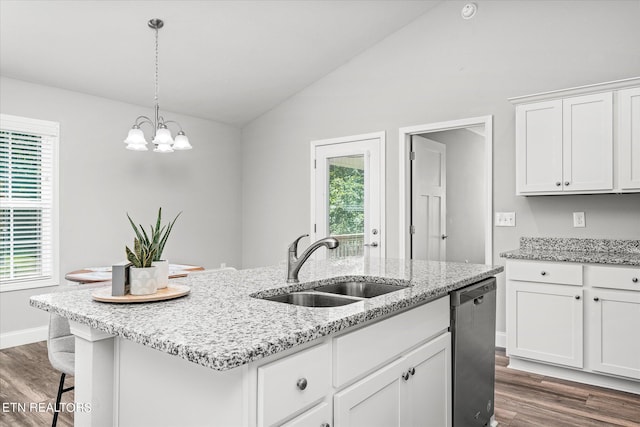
{"points": [[473, 334]]}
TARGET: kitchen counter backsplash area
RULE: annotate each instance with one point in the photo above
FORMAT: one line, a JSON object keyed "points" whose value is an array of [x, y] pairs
{"points": [[598, 251]]}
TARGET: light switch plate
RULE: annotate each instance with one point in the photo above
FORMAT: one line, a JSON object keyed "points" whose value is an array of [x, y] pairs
{"points": [[578, 220], [505, 219]]}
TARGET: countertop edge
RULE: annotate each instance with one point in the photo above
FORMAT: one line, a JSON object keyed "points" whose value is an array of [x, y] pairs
{"points": [[604, 258]]}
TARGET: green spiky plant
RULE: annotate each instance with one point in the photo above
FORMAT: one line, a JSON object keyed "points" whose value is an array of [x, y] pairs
{"points": [[141, 256], [155, 241]]}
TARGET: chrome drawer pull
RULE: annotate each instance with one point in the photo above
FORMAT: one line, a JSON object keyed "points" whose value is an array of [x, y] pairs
{"points": [[302, 383], [634, 280], [544, 273]]}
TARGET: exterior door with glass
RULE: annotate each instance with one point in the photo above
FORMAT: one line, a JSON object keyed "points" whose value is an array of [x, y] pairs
{"points": [[347, 199]]}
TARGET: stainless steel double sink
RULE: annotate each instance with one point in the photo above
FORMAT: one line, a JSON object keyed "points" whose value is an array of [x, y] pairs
{"points": [[336, 294]]}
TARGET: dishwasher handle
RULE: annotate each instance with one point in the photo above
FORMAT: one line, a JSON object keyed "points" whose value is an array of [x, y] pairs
{"points": [[473, 292]]}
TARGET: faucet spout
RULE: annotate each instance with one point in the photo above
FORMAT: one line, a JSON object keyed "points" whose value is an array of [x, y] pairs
{"points": [[295, 262]]}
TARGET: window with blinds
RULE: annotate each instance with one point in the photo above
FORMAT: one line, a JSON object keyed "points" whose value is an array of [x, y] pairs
{"points": [[28, 203]]}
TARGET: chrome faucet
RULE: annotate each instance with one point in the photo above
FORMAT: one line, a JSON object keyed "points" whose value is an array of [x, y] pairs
{"points": [[294, 262]]}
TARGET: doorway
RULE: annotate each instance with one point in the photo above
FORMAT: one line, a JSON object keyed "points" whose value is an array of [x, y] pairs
{"points": [[347, 194], [446, 192]]}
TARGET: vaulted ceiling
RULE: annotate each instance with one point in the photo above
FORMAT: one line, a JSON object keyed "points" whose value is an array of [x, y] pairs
{"points": [[228, 61]]}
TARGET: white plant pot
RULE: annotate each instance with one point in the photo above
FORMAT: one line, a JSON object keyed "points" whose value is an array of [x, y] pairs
{"points": [[162, 273], [142, 281]]}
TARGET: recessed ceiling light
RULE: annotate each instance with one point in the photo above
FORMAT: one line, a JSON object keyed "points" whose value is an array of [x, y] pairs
{"points": [[469, 10]]}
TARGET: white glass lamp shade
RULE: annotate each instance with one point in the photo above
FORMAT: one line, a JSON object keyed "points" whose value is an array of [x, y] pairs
{"points": [[163, 137], [135, 137], [182, 142], [137, 147], [163, 148]]}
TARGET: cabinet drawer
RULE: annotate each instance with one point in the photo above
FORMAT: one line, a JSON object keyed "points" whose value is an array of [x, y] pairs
{"points": [[281, 388], [319, 415], [358, 352], [612, 277], [545, 272]]}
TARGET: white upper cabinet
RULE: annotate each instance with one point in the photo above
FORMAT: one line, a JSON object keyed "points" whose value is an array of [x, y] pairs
{"points": [[587, 142], [539, 147], [565, 140], [629, 138]]}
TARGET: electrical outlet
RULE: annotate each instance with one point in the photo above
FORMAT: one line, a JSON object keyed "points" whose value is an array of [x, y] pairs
{"points": [[578, 220], [505, 219]]}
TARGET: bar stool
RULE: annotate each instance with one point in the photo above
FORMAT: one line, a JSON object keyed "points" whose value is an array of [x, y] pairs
{"points": [[61, 349]]}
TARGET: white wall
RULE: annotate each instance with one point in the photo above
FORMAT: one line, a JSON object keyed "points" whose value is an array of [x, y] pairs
{"points": [[466, 194], [100, 181], [441, 67]]}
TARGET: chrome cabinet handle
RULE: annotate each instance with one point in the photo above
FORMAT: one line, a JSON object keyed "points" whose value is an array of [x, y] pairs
{"points": [[634, 280], [577, 296], [405, 375], [372, 244], [302, 383], [412, 371], [596, 299], [444, 236], [566, 183], [543, 273], [558, 183]]}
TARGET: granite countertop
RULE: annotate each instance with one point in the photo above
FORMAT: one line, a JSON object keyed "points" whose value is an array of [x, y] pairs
{"points": [[590, 251], [221, 326]]}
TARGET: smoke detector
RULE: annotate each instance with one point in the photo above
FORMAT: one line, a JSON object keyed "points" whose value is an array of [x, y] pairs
{"points": [[469, 10]]}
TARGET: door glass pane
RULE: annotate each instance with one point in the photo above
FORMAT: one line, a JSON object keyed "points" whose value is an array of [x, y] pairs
{"points": [[346, 204]]}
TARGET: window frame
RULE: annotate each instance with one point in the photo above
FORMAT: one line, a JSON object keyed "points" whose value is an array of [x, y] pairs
{"points": [[51, 130]]}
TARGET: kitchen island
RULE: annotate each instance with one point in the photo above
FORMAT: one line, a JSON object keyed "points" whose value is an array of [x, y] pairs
{"points": [[224, 356]]}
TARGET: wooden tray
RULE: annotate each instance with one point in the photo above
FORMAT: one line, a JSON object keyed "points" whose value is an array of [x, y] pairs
{"points": [[170, 292]]}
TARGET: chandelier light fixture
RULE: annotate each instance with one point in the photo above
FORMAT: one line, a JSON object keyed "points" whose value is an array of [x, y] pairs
{"points": [[162, 140]]}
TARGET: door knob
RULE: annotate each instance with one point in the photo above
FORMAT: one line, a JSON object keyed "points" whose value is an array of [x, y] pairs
{"points": [[634, 280], [412, 371], [577, 296], [558, 183], [444, 236], [566, 183], [405, 376], [372, 244], [596, 299]]}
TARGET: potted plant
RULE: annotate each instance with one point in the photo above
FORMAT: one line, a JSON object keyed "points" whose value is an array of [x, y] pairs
{"points": [[156, 240], [142, 276]]}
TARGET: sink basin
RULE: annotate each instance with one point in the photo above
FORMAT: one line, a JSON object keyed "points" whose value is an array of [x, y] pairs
{"points": [[359, 289], [312, 299]]}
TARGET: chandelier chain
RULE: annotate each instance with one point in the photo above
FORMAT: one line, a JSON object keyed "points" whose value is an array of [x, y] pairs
{"points": [[156, 87]]}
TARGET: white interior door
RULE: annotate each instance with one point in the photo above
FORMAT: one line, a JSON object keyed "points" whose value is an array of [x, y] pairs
{"points": [[428, 199], [347, 194]]}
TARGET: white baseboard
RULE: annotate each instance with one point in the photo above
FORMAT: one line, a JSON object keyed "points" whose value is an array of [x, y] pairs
{"points": [[23, 336], [501, 339]]}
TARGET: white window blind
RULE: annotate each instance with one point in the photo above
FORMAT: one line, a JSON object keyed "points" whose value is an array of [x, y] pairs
{"points": [[28, 203]]}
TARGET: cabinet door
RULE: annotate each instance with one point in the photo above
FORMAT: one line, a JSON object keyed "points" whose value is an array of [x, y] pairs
{"points": [[614, 337], [426, 395], [629, 138], [539, 147], [373, 401], [587, 141], [544, 322]]}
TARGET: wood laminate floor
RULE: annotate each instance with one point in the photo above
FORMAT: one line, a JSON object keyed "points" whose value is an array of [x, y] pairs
{"points": [[522, 399]]}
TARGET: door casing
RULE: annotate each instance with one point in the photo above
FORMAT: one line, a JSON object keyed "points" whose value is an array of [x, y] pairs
{"points": [[381, 136], [404, 188]]}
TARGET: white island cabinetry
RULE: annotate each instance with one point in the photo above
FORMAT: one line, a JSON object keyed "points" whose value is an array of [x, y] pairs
{"points": [[313, 384]]}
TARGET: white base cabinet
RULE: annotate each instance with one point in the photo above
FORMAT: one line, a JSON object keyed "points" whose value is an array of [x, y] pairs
{"points": [[582, 319], [403, 378], [412, 391], [614, 338]]}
